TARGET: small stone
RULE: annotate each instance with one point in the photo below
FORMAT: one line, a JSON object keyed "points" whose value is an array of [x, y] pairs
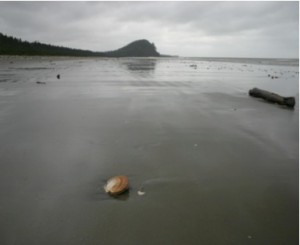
{"points": [[58, 76]]}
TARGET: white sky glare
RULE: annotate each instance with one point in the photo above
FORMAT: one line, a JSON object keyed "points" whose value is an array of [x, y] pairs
{"points": [[204, 29]]}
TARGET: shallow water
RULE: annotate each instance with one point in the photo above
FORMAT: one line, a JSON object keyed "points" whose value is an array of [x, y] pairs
{"points": [[216, 166]]}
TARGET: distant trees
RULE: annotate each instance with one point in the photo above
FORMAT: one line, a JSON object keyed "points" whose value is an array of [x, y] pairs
{"points": [[15, 46]]}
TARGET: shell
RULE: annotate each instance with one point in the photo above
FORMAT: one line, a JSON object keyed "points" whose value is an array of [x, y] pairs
{"points": [[117, 185], [141, 193]]}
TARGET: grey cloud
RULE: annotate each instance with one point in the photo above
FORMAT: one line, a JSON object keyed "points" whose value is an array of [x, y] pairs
{"points": [[184, 28], [214, 17]]}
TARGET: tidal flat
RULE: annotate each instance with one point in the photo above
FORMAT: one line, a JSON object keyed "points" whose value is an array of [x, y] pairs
{"points": [[216, 165]]}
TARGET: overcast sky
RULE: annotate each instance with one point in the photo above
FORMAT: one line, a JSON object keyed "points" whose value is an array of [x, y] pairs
{"points": [[204, 29]]}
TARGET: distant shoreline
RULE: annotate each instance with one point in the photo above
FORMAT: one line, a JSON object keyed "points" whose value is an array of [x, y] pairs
{"points": [[255, 61], [258, 61]]}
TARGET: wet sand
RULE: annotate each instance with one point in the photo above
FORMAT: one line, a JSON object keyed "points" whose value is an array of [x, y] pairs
{"points": [[217, 166]]}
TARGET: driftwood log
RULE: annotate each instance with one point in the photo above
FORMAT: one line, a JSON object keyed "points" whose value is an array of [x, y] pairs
{"points": [[272, 97]]}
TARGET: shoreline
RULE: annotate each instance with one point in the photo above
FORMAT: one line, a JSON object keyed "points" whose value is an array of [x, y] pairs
{"points": [[210, 158]]}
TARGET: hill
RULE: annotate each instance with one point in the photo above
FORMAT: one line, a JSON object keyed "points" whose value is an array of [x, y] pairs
{"points": [[15, 46], [140, 48]]}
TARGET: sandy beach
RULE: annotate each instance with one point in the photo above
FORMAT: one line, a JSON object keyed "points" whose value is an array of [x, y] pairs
{"points": [[216, 165]]}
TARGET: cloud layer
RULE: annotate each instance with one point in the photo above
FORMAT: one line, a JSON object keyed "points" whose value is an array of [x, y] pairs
{"points": [[207, 29]]}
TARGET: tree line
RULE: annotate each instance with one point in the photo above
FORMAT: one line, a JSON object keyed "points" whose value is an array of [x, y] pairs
{"points": [[15, 46]]}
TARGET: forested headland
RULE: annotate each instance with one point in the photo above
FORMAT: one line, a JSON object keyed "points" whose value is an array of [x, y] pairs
{"points": [[15, 46]]}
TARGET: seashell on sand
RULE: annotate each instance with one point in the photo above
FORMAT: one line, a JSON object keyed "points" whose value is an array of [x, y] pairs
{"points": [[117, 185], [141, 193]]}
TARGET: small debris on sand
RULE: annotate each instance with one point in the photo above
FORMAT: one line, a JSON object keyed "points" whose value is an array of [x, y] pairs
{"points": [[58, 76], [141, 193]]}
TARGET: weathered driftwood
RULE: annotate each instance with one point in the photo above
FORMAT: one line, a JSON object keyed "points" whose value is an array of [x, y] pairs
{"points": [[273, 98]]}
